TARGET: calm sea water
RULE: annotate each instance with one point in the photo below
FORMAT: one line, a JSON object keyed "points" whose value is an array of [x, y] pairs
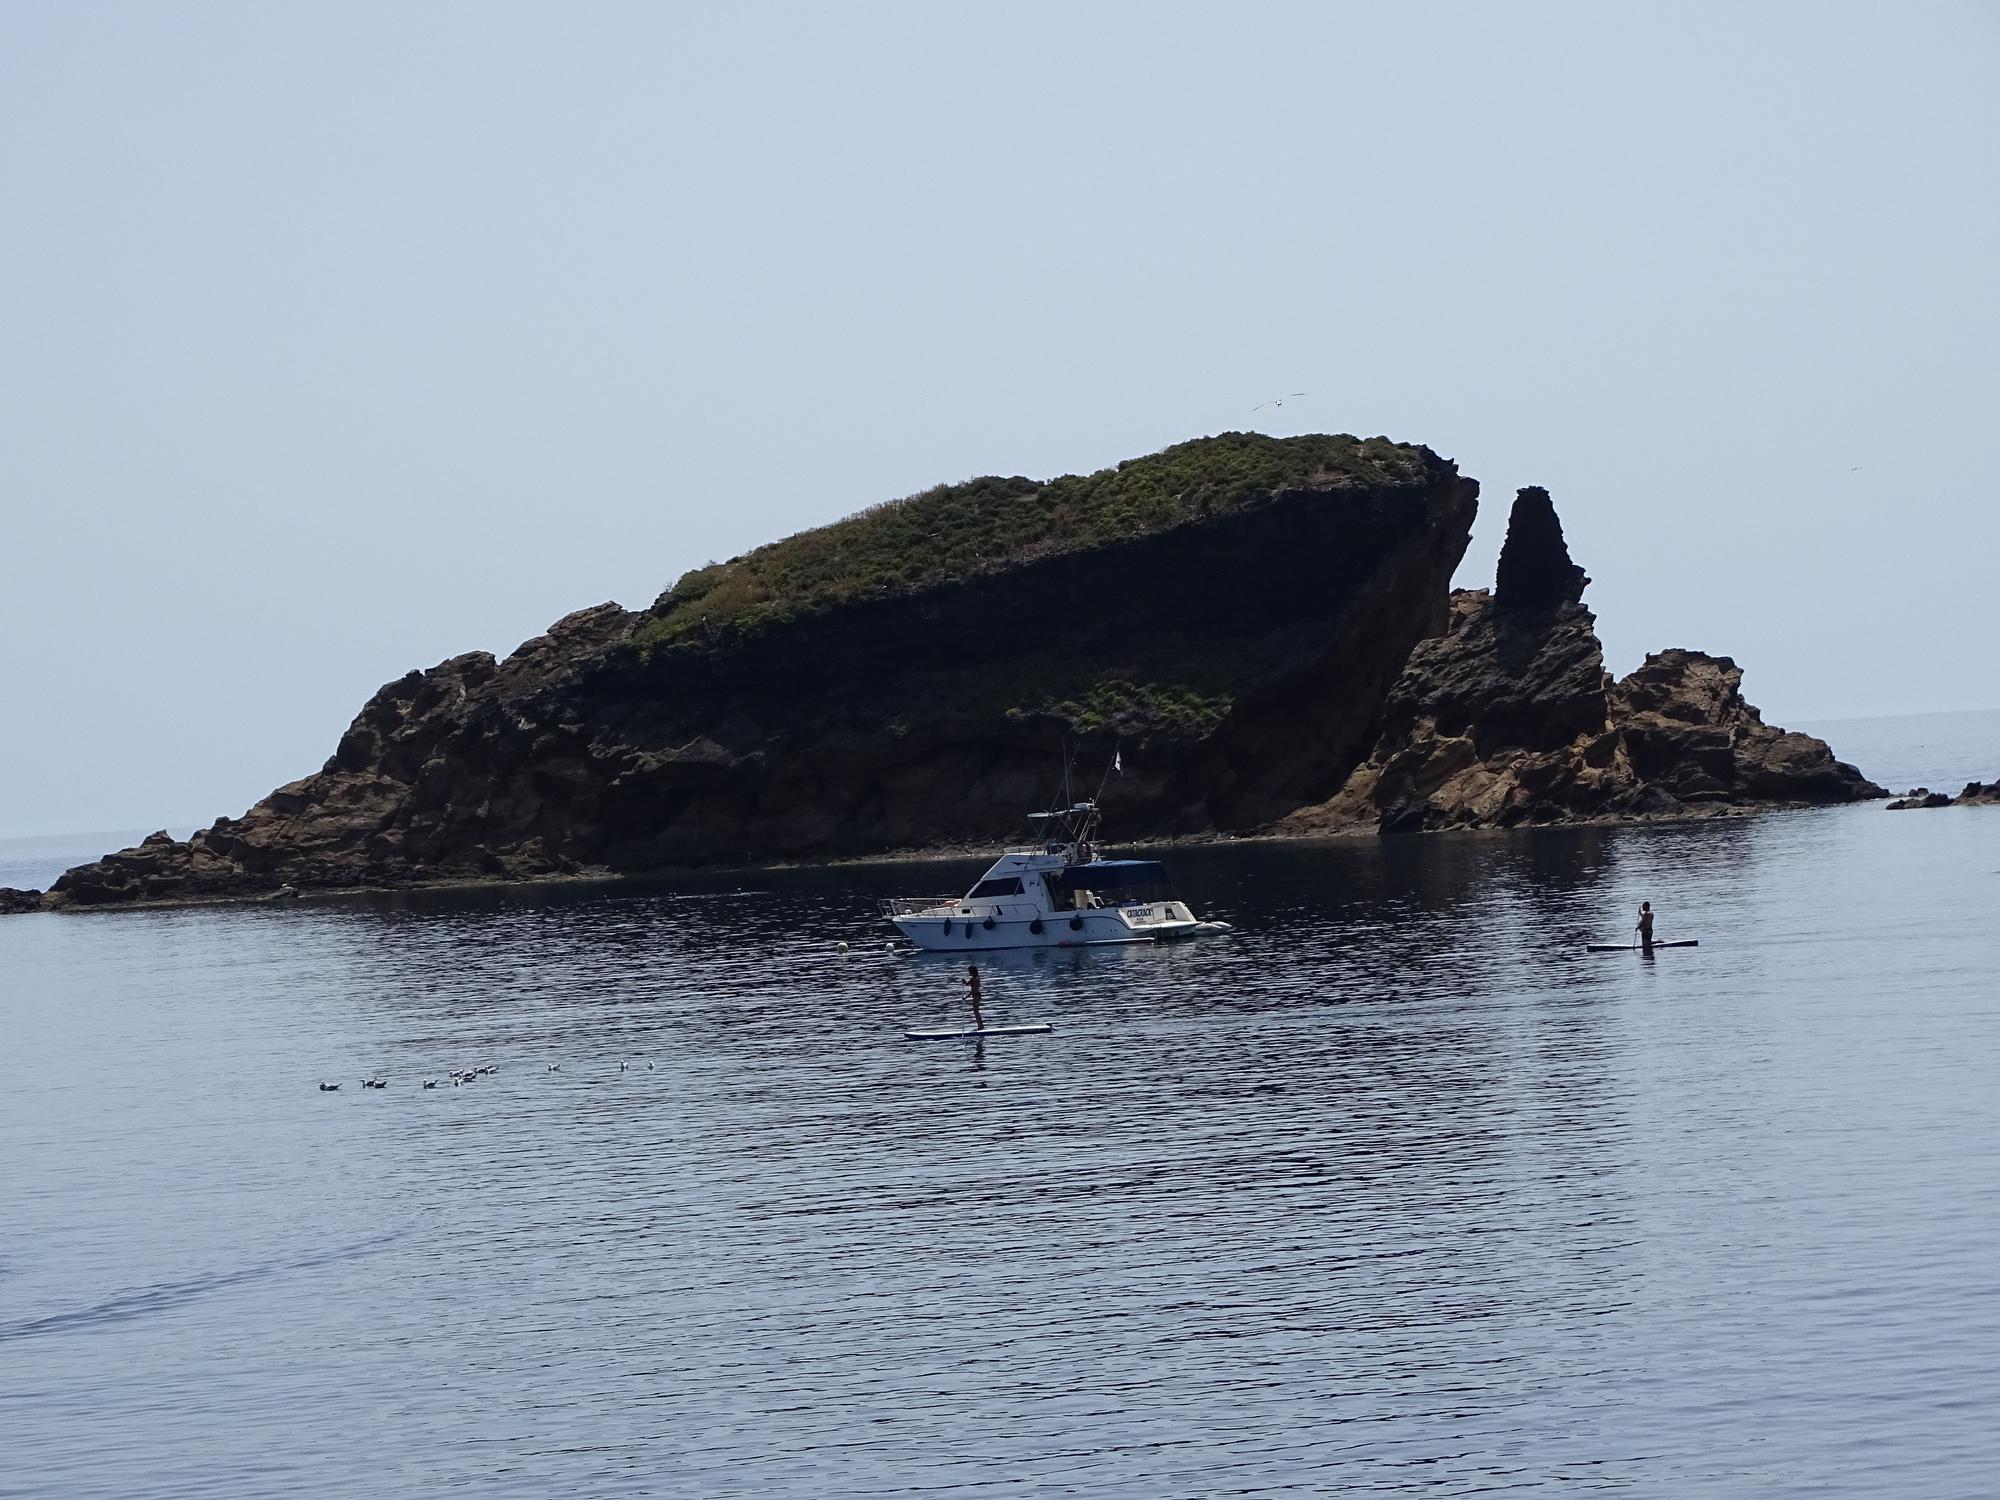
{"points": [[1940, 751], [1398, 1192]]}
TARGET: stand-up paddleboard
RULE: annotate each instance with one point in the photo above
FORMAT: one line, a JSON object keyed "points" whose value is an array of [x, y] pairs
{"points": [[1636, 948], [1035, 1028]]}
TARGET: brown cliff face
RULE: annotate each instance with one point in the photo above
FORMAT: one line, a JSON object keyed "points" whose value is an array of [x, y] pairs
{"points": [[1509, 719], [1228, 614]]}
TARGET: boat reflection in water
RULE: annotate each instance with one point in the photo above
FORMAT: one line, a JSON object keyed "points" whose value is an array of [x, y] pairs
{"points": [[1057, 894]]}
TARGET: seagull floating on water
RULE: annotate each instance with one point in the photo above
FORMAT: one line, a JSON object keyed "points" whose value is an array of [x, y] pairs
{"points": [[329, 1088]]}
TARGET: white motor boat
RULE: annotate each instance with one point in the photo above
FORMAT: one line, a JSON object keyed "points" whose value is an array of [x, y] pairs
{"points": [[1057, 894]]}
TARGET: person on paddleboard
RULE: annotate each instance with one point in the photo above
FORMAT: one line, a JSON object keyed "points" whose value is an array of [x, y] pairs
{"points": [[972, 987], [1646, 924]]}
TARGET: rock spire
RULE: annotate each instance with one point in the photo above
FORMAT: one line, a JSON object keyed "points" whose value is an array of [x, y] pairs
{"points": [[1535, 572]]}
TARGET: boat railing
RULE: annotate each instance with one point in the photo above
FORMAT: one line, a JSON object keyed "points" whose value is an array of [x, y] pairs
{"points": [[910, 906]]}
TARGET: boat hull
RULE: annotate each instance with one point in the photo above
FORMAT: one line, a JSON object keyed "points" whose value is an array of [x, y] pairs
{"points": [[977, 935]]}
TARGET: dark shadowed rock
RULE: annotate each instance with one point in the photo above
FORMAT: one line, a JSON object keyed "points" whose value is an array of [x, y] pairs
{"points": [[14, 902], [1535, 571]]}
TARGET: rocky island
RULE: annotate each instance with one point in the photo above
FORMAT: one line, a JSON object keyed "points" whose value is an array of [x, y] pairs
{"points": [[1262, 628]]}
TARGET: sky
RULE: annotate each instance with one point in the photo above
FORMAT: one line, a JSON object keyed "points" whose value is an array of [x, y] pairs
{"points": [[336, 340]]}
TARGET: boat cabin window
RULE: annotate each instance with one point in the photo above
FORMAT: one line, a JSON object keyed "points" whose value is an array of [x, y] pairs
{"points": [[1009, 886], [1119, 882]]}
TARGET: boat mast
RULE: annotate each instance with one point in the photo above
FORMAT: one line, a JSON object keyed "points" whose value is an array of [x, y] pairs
{"points": [[1113, 764]]}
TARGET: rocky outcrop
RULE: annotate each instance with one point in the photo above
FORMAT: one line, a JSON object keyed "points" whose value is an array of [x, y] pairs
{"points": [[1975, 793], [1509, 718], [13, 902], [1535, 570], [1228, 614], [1920, 796]]}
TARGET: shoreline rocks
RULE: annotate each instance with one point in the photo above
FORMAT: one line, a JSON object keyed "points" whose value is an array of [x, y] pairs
{"points": [[1975, 794]]}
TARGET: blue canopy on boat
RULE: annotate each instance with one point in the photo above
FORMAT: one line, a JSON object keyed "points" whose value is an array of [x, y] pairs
{"points": [[1111, 875]]}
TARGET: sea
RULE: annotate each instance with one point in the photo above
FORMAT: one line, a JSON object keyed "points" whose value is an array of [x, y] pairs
{"points": [[1397, 1190]]}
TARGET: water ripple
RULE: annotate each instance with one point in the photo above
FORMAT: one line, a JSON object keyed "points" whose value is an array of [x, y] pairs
{"points": [[140, 1301]]}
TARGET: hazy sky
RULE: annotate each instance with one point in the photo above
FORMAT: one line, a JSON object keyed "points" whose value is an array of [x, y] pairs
{"points": [[337, 339]]}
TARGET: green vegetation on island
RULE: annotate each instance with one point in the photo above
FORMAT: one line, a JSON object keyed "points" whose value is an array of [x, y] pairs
{"points": [[1137, 710], [959, 531]]}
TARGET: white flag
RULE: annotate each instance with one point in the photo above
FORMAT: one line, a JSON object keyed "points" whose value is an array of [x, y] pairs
{"points": [[1118, 761]]}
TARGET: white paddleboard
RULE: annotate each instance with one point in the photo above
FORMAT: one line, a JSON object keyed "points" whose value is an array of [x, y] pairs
{"points": [[1035, 1028]]}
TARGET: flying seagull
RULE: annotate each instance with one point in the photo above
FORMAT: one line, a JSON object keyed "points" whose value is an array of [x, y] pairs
{"points": [[1277, 400]]}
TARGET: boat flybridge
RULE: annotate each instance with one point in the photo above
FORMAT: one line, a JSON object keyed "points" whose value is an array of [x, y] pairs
{"points": [[1057, 894]]}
